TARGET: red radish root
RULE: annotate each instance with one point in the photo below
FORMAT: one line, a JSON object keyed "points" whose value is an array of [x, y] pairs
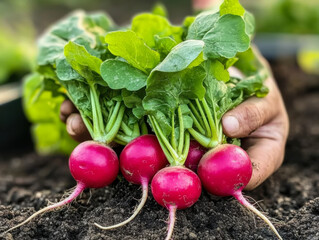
{"points": [[140, 160], [175, 188], [195, 153], [225, 171], [92, 165]]}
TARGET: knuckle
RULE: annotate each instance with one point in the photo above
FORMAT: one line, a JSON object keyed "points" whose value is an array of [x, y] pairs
{"points": [[251, 117]]}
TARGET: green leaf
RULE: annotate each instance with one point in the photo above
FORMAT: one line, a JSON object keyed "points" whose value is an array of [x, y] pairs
{"points": [[81, 61], [253, 85], [98, 23], [119, 75], [181, 56], [188, 21], [77, 55], [47, 71], [187, 120], [36, 105], [219, 95], [38, 84], [164, 121], [160, 10], [222, 97], [219, 72], [128, 45], [231, 7], [53, 86], [52, 138], [226, 38], [230, 62], [79, 93], [69, 27], [86, 30], [250, 23], [164, 45], [65, 72], [134, 100], [147, 25], [247, 62], [131, 99], [48, 132], [203, 23], [165, 91], [50, 49]]}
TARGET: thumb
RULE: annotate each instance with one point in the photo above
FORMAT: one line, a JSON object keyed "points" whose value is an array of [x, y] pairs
{"points": [[247, 117]]}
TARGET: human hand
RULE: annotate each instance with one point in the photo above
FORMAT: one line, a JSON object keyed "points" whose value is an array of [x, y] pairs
{"points": [[263, 125], [74, 123]]}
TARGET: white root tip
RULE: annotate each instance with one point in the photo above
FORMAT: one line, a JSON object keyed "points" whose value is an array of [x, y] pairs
{"points": [[136, 211], [79, 188], [171, 222], [245, 203], [46, 209]]}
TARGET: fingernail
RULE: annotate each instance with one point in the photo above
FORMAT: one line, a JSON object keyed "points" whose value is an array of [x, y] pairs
{"points": [[230, 124], [70, 125]]}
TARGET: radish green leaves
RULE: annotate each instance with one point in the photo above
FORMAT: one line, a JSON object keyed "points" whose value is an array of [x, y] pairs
{"points": [[176, 76]]}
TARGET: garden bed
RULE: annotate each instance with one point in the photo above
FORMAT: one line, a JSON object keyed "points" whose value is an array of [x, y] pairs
{"points": [[290, 197]]}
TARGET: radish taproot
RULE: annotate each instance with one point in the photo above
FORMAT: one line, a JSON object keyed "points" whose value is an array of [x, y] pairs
{"points": [[225, 171], [140, 160], [92, 165], [195, 153], [175, 187], [168, 91]]}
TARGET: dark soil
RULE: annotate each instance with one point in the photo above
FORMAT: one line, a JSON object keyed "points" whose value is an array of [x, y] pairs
{"points": [[290, 197]]}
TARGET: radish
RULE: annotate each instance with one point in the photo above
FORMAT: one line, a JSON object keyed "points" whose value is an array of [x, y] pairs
{"points": [[175, 187], [92, 165], [225, 171], [195, 153], [140, 160]]}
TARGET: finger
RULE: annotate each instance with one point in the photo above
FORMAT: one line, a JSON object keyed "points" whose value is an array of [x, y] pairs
{"points": [[67, 108], [247, 117], [76, 128], [266, 156], [252, 113]]}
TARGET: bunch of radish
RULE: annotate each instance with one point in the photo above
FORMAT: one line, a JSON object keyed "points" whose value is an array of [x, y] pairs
{"points": [[154, 77]]}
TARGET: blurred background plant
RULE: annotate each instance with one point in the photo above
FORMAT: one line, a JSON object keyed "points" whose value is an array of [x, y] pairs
{"points": [[286, 16], [287, 34], [17, 35], [288, 27]]}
